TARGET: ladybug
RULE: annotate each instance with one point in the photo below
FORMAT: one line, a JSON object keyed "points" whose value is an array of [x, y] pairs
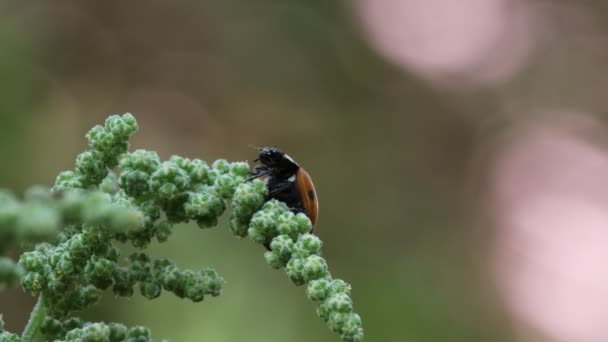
{"points": [[287, 182]]}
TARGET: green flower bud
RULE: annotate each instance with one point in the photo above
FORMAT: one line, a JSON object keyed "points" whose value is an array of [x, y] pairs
{"points": [[33, 283], [340, 302], [140, 265], [114, 150], [226, 186], [239, 169], [95, 332], [183, 163], [118, 332], [294, 270], [323, 311], [78, 247], [221, 165], [212, 176], [168, 180], [33, 261], [72, 323], [61, 262], [318, 289], [282, 246], [247, 199], [238, 226], [204, 204], [123, 282], [212, 282], [339, 286], [68, 180], [90, 165], [75, 335], [168, 191], [98, 272], [287, 225], [85, 296], [348, 325], [274, 260], [112, 155], [250, 196], [135, 183], [172, 281], [150, 289], [51, 327], [259, 186], [336, 320], [96, 136], [277, 207], [56, 284], [352, 329], [314, 267], [140, 160], [193, 286], [304, 224], [121, 127], [162, 230], [262, 227], [174, 209], [308, 244], [139, 333], [198, 171]]}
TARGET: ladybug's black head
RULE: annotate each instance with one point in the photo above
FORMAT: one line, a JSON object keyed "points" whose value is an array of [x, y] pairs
{"points": [[274, 158]]}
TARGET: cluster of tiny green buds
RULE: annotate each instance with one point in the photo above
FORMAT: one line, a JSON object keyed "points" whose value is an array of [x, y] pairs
{"points": [[293, 248], [112, 139], [275, 219], [182, 188], [92, 207], [248, 198], [112, 332], [153, 276], [108, 142]]}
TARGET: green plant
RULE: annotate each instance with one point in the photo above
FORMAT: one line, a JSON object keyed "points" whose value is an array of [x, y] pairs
{"points": [[113, 196]]}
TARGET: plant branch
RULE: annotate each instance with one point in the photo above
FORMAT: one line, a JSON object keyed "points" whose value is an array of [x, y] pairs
{"points": [[32, 332]]}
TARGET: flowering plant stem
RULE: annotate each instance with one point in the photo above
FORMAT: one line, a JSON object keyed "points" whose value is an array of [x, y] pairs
{"points": [[70, 235], [32, 332]]}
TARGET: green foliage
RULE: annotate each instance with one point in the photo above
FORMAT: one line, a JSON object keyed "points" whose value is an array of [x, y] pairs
{"points": [[79, 221]]}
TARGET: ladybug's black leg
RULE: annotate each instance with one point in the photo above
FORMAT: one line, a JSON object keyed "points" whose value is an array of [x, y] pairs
{"points": [[279, 188], [258, 172], [298, 209]]}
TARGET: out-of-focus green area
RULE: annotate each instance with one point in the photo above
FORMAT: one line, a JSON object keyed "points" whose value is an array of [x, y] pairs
{"points": [[390, 155]]}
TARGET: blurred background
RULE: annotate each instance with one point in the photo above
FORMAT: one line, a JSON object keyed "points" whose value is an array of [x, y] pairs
{"points": [[459, 150]]}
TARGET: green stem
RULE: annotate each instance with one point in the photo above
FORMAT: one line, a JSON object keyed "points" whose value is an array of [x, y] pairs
{"points": [[32, 332]]}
